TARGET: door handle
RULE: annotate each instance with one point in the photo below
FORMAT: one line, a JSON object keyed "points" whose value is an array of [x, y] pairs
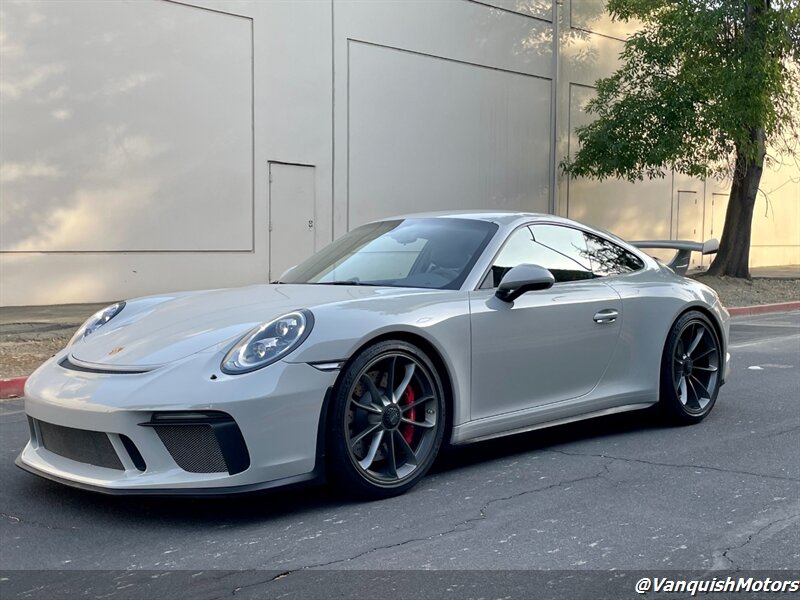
{"points": [[609, 315]]}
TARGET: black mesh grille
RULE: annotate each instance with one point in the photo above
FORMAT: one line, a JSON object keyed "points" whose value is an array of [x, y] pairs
{"points": [[194, 447], [90, 447]]}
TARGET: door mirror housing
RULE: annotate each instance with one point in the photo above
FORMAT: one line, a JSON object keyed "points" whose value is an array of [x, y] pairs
{"points": [[521, 279]]}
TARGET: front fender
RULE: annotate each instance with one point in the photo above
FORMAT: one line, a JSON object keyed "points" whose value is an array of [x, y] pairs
{"points": [[442, 319]]}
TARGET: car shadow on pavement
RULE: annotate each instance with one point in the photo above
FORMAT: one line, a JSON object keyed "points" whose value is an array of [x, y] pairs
{"points": [[460, 457], [251, 508]]}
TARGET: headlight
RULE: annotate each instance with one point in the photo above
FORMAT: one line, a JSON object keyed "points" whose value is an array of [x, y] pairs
{"points": [[96, 321], [267, 343]]}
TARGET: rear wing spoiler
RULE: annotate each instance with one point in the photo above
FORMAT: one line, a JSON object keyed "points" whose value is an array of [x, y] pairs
{"points": [[680, 262]]}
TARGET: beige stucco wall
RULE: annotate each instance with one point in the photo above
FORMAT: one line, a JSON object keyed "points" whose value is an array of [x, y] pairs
{"points": [[138, 137], [776, 221], [676, 206]]}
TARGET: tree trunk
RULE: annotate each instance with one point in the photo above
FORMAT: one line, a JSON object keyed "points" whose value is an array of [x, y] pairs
{"points": [[733, 258]]}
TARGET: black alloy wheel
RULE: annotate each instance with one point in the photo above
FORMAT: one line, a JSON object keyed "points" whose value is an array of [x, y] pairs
{"points": [[388, 417], [691, 368]]}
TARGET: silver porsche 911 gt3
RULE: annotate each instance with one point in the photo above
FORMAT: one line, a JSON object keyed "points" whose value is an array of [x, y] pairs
{"points": [[361, 362]]}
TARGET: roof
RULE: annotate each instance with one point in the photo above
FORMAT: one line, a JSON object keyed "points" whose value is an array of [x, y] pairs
{"points": [[509, 220], [501, 217]]}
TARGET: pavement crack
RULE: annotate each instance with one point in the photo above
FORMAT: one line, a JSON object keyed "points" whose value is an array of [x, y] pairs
{"points": [[676, 466], [248, 586], [21, 521], [485, 507], [783, 432], [750, 538], [465, 525]]}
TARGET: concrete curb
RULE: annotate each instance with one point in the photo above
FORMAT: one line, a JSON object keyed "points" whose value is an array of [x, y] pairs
{"points": [[12, 388], [760, 309]]}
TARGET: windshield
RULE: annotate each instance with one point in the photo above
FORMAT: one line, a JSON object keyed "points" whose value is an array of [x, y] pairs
{"points": [[424, 253]]}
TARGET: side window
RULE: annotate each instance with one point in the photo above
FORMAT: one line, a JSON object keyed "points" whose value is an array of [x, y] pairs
{"points": [[520, 249], [562, 250], [609, 259]]}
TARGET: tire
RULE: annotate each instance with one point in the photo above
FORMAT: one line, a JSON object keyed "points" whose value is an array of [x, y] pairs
{"points": [[382, 448], [691, 366]]}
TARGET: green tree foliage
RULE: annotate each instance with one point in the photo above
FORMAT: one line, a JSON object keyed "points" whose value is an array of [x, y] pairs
{"points": [[704, 86]]}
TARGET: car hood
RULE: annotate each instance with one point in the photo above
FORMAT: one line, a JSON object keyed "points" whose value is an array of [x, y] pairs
{"points": [[154, 331]]}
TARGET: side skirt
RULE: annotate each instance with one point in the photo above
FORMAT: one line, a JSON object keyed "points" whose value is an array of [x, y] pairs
{"points": [[598, 413]]}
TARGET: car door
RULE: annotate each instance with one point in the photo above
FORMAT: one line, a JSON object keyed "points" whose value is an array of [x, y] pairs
{"points": [[548, 345]]}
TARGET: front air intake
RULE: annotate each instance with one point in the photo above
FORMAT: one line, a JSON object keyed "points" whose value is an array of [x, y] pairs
{"points": [[193, 447], [202, 441], [81, 445]]}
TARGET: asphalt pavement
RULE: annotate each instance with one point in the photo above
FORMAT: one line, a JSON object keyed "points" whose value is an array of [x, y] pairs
{"points": [[622, 492]]}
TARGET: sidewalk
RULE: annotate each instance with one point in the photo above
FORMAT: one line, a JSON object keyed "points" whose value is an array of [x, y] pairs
{"points": [[784, 272], [29, 335], [66, 315]]}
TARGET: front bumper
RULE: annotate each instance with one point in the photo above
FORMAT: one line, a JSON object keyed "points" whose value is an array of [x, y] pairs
{"points": [[315, 476], [276, 412]]}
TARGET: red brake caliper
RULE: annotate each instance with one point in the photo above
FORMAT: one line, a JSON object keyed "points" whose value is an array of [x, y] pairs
{"points": [[406, 429]]}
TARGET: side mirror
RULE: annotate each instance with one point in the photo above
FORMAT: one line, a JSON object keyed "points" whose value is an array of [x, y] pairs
{"points": [[521, 279]]}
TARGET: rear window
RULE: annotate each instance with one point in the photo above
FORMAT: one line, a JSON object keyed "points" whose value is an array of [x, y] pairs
{"points": [[608, 258]]}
